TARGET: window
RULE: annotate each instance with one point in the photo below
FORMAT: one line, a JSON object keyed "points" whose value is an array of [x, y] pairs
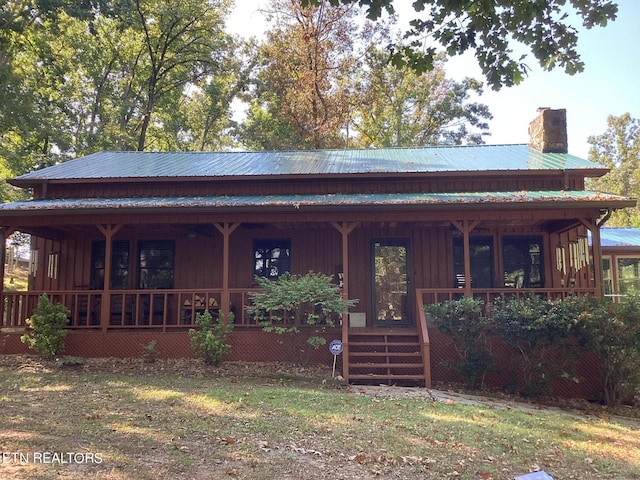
{"points": [[481, 258], [271, 257], [522, 260], [119, 264], [156, 264], [628, 275]]}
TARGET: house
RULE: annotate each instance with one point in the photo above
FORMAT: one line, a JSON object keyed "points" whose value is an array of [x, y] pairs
{"points": [[136, 243], [620, 262]]}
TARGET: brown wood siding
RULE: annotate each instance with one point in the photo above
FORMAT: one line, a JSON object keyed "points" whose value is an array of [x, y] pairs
{"points": [[297, 186], [314, 247]]}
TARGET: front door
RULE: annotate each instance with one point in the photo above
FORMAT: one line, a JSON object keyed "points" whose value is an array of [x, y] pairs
{"points": [[391, 292]]}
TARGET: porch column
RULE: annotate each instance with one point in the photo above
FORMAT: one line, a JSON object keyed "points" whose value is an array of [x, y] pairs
{"points": [[226, 229], [345, 229], [105, 306], [465, 227], [4, 234]]}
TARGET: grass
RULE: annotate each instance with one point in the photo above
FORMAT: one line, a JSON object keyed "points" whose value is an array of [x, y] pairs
{"points": [[16, 278], [170, 425]]}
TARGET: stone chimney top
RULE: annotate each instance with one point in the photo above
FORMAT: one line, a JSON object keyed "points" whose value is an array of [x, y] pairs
{"points": [[548, 131]]}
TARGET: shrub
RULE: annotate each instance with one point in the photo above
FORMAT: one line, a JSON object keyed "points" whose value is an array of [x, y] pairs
{"points": [[209, 341], [285, 305], [150, 352], [612, 331], [541, 332], [47, 325], [468, 331]]}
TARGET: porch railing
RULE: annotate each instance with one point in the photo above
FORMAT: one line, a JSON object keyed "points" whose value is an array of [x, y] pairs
{"points": [[165, 310], [436, 295], [169, 310]]}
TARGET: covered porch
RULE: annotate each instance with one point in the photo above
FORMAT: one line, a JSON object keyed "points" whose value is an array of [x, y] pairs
{"points": [[214, 258]]}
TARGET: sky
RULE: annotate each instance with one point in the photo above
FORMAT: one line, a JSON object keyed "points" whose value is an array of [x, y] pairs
{"points": [[609, 84]]}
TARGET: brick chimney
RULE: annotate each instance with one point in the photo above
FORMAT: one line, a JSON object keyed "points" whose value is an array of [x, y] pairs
{"points": [[548, 132]]}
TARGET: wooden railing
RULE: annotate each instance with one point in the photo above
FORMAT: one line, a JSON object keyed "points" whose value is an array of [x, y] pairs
{"points": [[425, 343], [437, 295], [164, 310]]}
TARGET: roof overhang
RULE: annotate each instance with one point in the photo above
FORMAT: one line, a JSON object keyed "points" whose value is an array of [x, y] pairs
{"points": [[326, 202], [579, 173]]}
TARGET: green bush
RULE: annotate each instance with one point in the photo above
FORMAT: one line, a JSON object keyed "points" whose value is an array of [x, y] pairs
{"points": [[542, 334], [612, 331], [47, 328], [547, 338], [469, 332], [209, 341], [150, 352], [290, 303]]}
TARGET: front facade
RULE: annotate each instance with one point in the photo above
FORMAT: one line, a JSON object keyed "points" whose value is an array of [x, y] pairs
{"points": [[136, 243]]}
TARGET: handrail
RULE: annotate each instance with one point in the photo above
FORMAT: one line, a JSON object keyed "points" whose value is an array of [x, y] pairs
{"points": [[425, 343], [345, 346]]}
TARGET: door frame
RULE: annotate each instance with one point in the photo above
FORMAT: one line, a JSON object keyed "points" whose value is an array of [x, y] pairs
{"points": [[405, 242]]}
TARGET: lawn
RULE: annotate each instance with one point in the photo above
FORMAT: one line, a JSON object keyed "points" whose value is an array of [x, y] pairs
{"points": [[119, 419]]}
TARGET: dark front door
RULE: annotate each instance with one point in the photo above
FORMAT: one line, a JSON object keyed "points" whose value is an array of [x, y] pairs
{"points": [[391, 292]]}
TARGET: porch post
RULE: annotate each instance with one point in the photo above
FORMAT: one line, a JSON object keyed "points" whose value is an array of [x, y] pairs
{"points": [[105, 306], [465, 227], [345, 229], [226, 229]]}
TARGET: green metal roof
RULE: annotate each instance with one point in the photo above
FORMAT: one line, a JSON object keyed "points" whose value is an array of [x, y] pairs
{"points": [[151, 165], [548, 199]]}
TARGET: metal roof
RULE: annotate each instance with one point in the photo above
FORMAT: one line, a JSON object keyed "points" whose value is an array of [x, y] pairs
{"points": [[481, 158], [550, 199], [620, 237]]}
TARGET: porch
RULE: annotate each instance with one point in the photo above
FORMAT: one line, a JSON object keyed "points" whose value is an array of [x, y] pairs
{"points": [[396, 354]]}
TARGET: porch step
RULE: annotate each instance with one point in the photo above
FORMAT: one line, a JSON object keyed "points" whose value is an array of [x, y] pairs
{"points": [[385, 365], [389, 379], [385, 356]]}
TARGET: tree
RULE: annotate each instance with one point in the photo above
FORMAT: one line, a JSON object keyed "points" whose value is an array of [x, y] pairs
{"points": [[112, 75], [300, 99], [398, 107], [619, 149], [184, 42], [490, 29]]}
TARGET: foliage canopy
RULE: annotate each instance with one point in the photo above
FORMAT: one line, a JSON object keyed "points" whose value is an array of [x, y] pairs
{"points": [[490, 29]]}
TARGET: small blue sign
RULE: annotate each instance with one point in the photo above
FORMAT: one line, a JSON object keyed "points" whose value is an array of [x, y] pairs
{"points": [[541, 475], [335, 347]]}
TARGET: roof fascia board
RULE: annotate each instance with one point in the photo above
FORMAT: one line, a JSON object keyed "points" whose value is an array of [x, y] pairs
{"points": [[581, 173]]}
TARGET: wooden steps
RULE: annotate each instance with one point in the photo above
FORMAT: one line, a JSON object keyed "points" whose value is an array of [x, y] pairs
{"points": [[391, 357]]}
